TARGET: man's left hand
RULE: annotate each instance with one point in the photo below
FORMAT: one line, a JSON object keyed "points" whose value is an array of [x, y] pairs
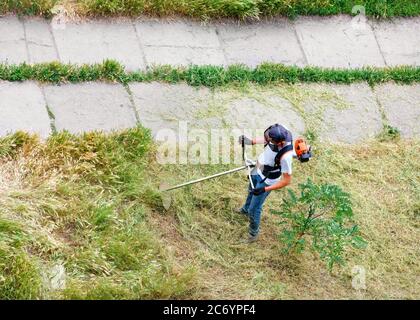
{"points": [[258, 191]]}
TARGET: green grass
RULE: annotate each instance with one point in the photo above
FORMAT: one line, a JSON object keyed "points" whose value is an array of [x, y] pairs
{"points": [[91, 204], [77, 201], [210, 9], [389, 133], [210, 76], [27, 7]]}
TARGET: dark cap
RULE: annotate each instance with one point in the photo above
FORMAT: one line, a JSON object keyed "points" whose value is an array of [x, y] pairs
{"points": [[278, 133]]}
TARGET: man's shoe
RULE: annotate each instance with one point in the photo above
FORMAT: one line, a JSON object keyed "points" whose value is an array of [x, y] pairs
{"points": [[252, 238], [249, 239], [241, 211]]}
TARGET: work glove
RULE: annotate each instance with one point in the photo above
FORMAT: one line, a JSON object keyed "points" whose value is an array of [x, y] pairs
{"points": [[246, 140], [250, 163], [258, 191]]}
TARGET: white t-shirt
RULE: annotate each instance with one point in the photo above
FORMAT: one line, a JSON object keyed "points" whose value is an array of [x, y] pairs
{"points": [[267, 158]]}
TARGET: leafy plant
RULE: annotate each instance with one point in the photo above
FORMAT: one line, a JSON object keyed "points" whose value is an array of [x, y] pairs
{"points": [[321, 215], [389, 133]]}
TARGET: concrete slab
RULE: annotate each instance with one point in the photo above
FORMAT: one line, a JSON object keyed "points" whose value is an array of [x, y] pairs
{"points": [[179, 43], [262, 42], [401, 104], [12, 41], [343, 113], [40, 41], [90, 106], [336, 42], [183, 56], [163, 106], [399, 41], [249, 113], [93, 42], [177, 34], [22, 107]]}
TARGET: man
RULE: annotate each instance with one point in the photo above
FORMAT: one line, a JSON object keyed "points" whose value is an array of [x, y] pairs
{"points": [[273, 171]]}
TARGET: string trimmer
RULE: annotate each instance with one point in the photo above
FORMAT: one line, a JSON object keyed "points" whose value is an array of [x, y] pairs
{"points": [[248, 164]]}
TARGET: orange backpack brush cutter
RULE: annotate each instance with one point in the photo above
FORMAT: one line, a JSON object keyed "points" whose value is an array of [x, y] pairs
{"points": [[303, 151]]}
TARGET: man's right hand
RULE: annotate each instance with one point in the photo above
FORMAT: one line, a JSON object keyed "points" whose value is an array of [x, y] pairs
{"points": [[245, 139]]}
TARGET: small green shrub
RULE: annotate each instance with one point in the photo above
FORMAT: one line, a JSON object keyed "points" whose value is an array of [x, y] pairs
{"points": [[389, 133], [323, 214]]}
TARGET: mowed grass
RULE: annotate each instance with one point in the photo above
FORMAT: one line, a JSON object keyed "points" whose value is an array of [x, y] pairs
{"points": [[215, 9], [91, 204]]}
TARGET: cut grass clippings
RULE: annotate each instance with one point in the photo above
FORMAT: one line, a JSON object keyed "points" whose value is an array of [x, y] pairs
{"points": [[216, 9], [209, 76], [90, 204]]}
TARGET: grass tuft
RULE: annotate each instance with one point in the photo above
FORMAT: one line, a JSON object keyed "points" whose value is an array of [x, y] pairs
{"points": [[389, 133]]}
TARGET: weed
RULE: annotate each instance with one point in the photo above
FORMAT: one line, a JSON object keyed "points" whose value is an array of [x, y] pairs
{"points": [[323, 212], [388, 133]]}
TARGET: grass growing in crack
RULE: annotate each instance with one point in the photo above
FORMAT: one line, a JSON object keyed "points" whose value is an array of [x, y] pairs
{"points": [[209, 76], [91, 202], [389, 133], [209, 9]]}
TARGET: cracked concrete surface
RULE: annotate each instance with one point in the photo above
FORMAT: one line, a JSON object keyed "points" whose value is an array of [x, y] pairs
{"points": [[90, 106], [345, 113], [163, 105], [12, 41], [261, 42], [401, 105], [399, 41], [23, 107], [350, 114], [337, 113], [338, 41], [179, 43], [96, 41], [40, 42]]}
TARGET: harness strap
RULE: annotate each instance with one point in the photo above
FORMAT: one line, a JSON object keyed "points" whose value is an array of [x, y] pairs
{"points": [[273, 172]]}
